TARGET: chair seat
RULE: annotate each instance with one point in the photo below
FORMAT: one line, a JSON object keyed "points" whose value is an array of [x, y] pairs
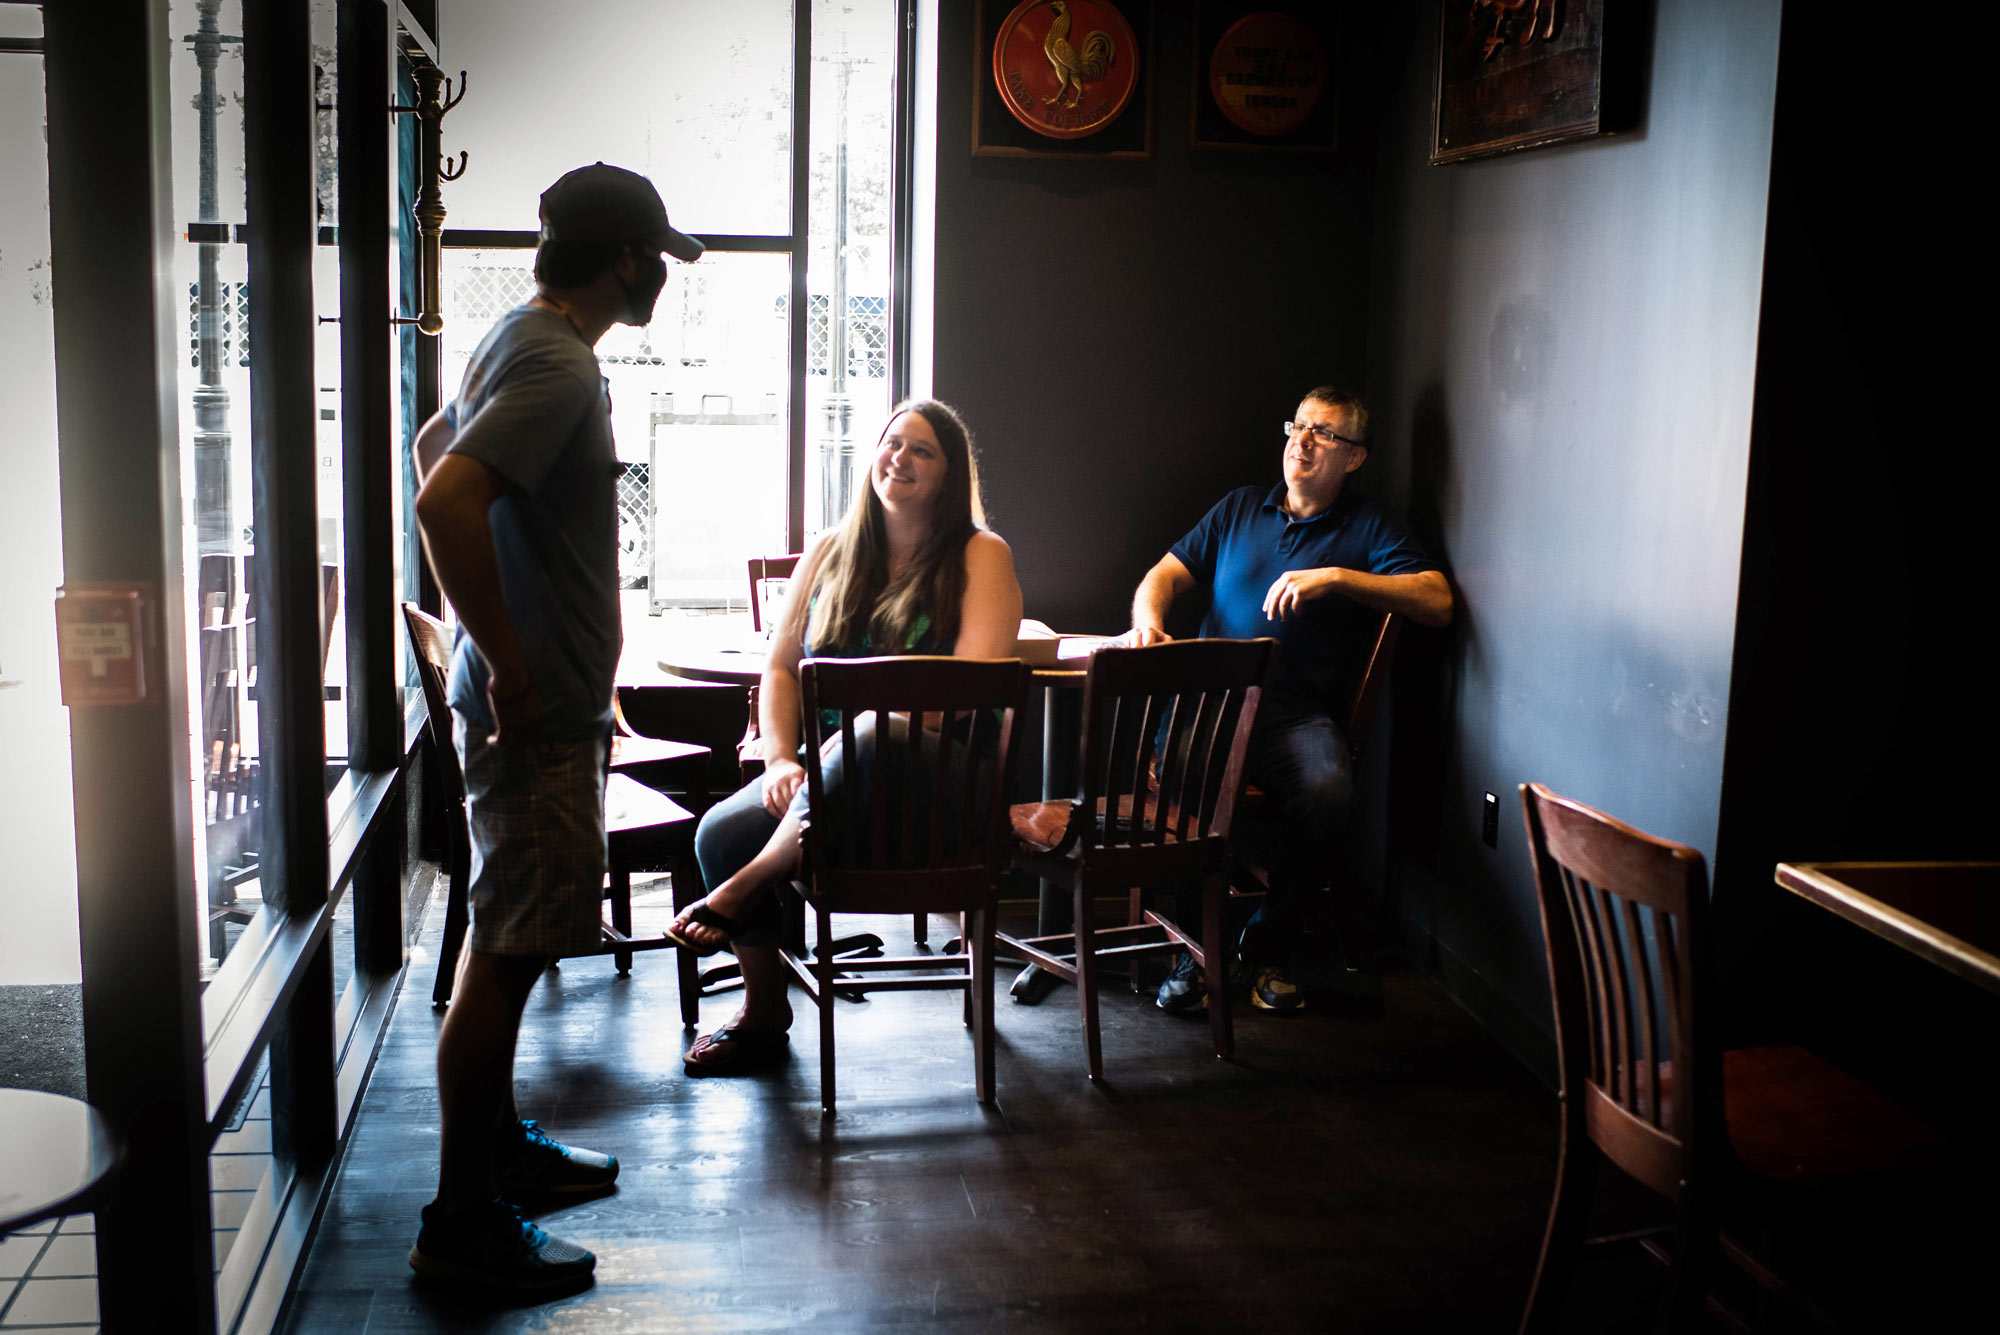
{"points": [[631, 807], [627, 751], [1794, 1118]]}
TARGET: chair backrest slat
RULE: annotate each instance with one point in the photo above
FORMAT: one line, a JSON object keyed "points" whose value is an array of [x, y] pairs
{"points": [[941, 776], [1645, 1099], [1621, 911], [1172, 763], [1618, 1032]]}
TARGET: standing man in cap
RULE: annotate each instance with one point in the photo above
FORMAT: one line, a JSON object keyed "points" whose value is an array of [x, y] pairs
{"points": [[519, 516]]}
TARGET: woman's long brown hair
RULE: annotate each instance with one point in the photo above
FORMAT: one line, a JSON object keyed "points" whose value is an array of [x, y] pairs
{"points": [[850, 593]]}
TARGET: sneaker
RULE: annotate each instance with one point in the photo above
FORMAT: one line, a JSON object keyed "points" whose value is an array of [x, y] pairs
{"points": [[1270, 990], [1185, 989], [538, 1165], [493, 1246], [1032, 985]]}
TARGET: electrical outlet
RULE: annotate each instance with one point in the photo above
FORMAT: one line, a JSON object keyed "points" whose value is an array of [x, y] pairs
{"points": [[1489, 821]]}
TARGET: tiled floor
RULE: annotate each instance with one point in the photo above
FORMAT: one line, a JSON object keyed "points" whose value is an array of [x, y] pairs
{"points": [[48, 1277], [48, 1273]]}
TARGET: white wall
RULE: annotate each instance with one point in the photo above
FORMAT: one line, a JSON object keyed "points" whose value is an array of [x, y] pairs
{"points": [[38, 919]]}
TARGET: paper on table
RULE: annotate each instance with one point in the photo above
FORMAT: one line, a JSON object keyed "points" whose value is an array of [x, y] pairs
{"points": [[1039, 646]]}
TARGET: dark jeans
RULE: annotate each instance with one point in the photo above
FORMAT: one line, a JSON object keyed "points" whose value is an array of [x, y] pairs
{"points": [[1301, 761]]}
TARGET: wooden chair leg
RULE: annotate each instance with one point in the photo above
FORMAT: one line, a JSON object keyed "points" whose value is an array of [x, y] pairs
{"points": [[456, 920], [1214, 894], [621, 912], [1086, 982], [920, 927], [977, 930], [687, 884], [1693, 1270], [823, 964], [1135, 913], [1562, 1240], [966, 926]]}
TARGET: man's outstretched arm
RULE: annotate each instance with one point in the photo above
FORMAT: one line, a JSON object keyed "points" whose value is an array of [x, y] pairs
{"points": [[1424, 597], [1166, 581]]}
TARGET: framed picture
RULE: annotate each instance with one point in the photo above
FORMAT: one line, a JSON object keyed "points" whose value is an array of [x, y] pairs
{"points": [[1264, 78], [1063, 79], [1515, 74]]}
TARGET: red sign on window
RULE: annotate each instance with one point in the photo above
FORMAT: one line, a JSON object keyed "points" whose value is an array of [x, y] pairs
{"points": [[102, 635]]}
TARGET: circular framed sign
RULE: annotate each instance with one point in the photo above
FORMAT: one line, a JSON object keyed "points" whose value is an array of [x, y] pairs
{"points": [[1065, 68], [1268, 73]]}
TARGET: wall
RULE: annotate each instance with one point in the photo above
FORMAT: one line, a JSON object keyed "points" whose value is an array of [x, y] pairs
{"points": [[1563, 355], [1124, 338], [38, 915]]}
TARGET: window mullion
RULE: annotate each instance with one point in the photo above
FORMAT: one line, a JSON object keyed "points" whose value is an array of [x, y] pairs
{"points": [[799, 316]]}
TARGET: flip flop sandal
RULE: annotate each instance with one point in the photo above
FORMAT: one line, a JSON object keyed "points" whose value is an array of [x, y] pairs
{"points": [[707, 917], [753, 1048]]}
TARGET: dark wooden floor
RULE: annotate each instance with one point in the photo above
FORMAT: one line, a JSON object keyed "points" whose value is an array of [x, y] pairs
{"points": [[1340, 1175]]}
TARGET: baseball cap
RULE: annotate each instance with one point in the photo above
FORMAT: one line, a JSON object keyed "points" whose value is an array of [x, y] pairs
{"points": [[610, 204]]}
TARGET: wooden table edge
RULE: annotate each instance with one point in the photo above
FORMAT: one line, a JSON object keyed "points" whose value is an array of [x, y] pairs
{"points": [[714, 677], [1812, 881]]}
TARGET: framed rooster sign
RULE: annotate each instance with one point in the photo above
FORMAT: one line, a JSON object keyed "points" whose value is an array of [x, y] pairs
{"points": [[1063, 78]]}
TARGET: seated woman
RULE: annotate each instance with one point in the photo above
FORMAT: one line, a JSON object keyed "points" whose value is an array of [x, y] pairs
{"points": [[910, 570]]}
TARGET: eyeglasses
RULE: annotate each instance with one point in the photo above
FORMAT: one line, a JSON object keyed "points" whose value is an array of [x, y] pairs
{"points": [[1326, 436]]}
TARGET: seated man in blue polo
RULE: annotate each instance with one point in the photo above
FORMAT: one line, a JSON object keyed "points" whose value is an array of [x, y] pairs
{"points": [[1311, 564]]}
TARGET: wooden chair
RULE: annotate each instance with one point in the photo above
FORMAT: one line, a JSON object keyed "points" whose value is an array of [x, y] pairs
{"points": [[1149, 813], [646, 828], [1247, 879], [749, 751], [680, 770], [1643, 1083], [909, 831]]}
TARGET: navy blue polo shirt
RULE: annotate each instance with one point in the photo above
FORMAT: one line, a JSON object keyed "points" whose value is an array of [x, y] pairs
{"points": [[1241, 547]]}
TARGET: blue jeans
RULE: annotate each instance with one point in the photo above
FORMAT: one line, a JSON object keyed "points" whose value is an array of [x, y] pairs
{"points": [[735, 830], [1302, 762], [732, 832]]}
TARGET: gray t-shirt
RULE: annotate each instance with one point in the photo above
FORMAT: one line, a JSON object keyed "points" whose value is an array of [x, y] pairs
{"points": [[535, 408]]}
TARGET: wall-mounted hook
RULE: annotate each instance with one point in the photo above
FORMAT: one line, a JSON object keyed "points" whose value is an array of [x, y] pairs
{"points": [[432, 171]]}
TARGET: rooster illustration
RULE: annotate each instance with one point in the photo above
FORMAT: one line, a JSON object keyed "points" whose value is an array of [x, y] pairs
{"points": [[1073, 67]]}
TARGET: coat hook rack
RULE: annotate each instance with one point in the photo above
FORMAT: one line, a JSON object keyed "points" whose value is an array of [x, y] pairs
{"points": [[436, 95]]}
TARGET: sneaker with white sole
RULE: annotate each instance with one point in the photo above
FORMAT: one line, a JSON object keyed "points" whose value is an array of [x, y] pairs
{"points": [[1270, 990], [493, 1246], [532, 1163], [1185, 989]]}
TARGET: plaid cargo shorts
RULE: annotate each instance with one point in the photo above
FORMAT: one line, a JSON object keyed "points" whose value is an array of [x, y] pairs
{"points": [[538, 845]]}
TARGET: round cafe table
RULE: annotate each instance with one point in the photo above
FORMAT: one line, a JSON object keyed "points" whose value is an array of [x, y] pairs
{"points": [[732, 655], [54, 1151]]}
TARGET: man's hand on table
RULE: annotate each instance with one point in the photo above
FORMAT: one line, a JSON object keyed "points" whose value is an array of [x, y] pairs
{"points": [[1141, 636], [781, 780]]}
